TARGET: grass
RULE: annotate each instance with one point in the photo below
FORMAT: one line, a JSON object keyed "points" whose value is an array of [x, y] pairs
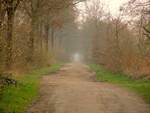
{"points": [[141, 87], [15, 99]]}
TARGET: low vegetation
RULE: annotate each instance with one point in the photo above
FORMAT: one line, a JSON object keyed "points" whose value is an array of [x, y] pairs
{"points": [[142, 87], [15, 99]]}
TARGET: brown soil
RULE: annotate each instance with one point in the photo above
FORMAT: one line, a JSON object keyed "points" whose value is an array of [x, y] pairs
{"points": [[74, 90]]}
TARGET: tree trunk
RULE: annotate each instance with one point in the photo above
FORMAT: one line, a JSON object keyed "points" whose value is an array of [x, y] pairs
{"points": [[52, 38], [46, 36], [41, 36], [31, 41], [118, 50], [2, 14], [10, 20]]}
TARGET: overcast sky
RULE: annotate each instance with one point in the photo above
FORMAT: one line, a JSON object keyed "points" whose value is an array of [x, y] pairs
{"points": [[112, 5]]}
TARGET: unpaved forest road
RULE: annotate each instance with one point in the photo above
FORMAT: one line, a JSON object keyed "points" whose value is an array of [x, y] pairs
{"points": [[73, 90]]}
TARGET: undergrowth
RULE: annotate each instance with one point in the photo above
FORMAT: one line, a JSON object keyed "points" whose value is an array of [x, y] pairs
{"points": [[15, 99], [142, 87]]}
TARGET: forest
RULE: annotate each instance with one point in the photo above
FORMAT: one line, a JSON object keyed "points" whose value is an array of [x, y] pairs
{"points": [[34, 32], [44, 35], [121, 43]]}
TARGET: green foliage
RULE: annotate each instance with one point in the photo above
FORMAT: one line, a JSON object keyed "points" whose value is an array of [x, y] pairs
{"points": [[16, 99], [142, 87]]}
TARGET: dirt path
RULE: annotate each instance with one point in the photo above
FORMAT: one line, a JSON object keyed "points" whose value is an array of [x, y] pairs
{"points": [[73, 90]]}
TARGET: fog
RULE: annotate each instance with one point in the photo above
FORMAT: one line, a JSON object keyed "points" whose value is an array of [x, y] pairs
{"points": [[112, 33], [60, 49]]}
